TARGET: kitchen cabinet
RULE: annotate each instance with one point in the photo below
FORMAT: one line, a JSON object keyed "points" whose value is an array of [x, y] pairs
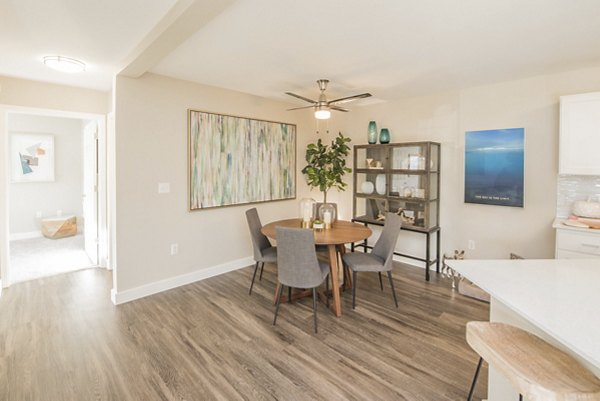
{"points": [[579, 134], [576, 243]]}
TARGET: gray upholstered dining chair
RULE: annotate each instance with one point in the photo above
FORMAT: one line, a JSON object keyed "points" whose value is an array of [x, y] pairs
{"points": [[297, 264], [380, 260], [264, 252]]}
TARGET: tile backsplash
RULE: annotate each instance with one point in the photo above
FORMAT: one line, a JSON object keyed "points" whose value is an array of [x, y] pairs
{"points": [[572, 188]]}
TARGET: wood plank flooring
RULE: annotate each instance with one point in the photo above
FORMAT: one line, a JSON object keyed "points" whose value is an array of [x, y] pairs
{"points": [[62, 339]]}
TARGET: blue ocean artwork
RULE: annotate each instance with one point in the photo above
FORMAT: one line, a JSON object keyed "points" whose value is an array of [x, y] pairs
{"points": [[494, 167]]}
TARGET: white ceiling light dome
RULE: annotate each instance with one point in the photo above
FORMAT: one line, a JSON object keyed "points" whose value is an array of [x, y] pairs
{"points": [[322, 113], [64, 64]]}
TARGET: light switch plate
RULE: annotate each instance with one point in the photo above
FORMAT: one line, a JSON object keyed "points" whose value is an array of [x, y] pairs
{"points": [[164, 187]]}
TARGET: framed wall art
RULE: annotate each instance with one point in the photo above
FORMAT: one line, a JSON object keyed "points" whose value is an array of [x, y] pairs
{"points": [[494, 167], [32, 157], [236, 160]]}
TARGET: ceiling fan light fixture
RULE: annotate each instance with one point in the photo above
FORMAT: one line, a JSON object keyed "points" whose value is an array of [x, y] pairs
{"points": [[64, 64], [322, 113]]}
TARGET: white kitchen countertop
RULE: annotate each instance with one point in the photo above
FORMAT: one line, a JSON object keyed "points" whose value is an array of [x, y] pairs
{"points": [[559, 296]]}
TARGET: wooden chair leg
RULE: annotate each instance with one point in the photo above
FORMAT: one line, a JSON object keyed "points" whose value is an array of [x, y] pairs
{"points": [[277, 304], [353, 290], [253, 277], [475, 377], [315, 307], [393, 290]]}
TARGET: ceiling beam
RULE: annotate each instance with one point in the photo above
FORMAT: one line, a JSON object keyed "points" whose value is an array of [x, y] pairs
{"points": [[184, 19]]}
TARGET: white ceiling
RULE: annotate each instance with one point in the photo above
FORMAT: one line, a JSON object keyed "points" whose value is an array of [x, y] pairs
{"points": [[100, 33], [391, 48]]}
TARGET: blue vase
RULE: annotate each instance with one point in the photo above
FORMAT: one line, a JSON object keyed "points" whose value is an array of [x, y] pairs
{"points": [[384, 136], [372, 138]]}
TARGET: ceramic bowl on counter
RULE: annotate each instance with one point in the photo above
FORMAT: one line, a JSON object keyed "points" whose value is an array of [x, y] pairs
{"points": [[587, 209]]}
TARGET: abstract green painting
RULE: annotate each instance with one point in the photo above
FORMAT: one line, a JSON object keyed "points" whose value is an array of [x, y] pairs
{"points": [[236, 160]]}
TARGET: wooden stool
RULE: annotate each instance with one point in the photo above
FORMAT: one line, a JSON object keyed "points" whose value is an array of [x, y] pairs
{"points": [[538, 370]]}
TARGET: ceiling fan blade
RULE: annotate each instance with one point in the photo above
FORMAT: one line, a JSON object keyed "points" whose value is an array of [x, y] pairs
{"points": [[301, 97], [349, 98], [303, 107], [334, 107]]}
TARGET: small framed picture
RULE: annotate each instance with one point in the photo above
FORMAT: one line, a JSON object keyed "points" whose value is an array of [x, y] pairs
{"points": [[32, 157]]}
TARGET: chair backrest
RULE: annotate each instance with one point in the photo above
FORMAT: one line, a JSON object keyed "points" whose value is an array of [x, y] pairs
{"points": [[297, 263], [384, 247], [259, 240]]}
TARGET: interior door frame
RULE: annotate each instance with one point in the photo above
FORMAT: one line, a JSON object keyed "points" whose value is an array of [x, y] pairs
{"points": [[103, 222]]}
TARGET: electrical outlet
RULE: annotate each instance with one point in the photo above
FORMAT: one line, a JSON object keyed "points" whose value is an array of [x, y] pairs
{"points": [[471, 245], [174, 249], [38, 214]]}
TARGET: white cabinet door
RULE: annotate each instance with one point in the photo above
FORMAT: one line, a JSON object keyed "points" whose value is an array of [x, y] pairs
{"points": [[579, 150], [576, 244]]}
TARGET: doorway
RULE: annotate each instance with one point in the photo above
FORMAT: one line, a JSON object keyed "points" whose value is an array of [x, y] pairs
{"points": [[56, 193]]}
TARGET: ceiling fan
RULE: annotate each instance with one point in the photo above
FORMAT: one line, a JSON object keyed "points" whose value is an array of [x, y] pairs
{"points": [[323, 106]]}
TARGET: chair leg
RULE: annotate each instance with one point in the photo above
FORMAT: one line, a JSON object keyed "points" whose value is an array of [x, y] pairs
{"points": [[253, 277], [315, 307], [380, 281], [277, 304], [520, 397], [353, 289], [327, 291], [393, 290], [289, 295], [262, 266], [475, 377]]}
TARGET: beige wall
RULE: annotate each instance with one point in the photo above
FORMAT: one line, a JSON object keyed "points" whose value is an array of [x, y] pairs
{"points": [[530, 103], [41, 98], [151, 147]]}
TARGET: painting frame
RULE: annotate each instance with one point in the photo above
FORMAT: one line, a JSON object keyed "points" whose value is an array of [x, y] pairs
{"points": [[236, 160], [495, 167], [32, 157]]}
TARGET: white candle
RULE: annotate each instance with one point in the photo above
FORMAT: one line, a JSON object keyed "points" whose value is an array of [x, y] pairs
{"points": [[327, 217]]}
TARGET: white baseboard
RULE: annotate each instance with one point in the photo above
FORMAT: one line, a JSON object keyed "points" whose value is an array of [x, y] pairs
{"points": [[28, 235], [145, 290]]}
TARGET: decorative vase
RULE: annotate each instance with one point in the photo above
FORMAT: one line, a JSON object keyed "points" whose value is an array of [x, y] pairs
{"points": [[380, 184], [367, 187], [372, 137], [306, 211], [327, 214], [384, 136]]}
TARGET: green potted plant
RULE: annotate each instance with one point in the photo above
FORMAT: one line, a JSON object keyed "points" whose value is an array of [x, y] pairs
{"points": [[327, 165]]}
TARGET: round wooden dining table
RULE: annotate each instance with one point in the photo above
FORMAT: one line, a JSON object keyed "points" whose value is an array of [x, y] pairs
{"points": [[342, 232]]}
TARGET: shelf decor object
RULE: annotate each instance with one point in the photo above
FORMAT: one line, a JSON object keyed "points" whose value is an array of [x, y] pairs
{"points": [[367, 187], [494, 167], [407, 183], [372, 136], [223, 149], [384, 136]]}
